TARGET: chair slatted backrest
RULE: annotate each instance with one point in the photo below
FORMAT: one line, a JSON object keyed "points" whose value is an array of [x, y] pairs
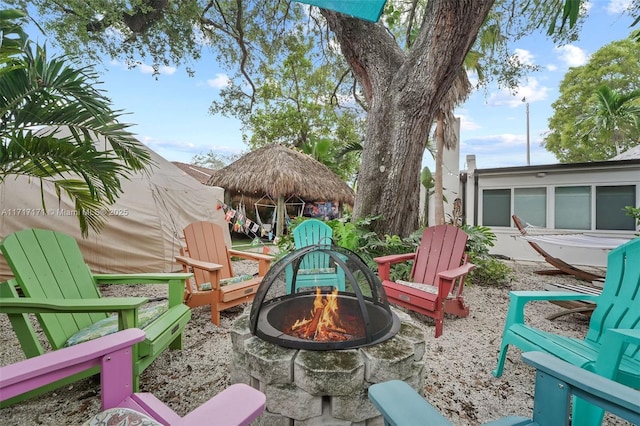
{"points": [[50, 265], [205, 242], [619, 303], [441, 248], [310, 232]]}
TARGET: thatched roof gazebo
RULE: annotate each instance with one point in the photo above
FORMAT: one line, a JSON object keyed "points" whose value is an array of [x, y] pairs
{"points": [[280, 172]]}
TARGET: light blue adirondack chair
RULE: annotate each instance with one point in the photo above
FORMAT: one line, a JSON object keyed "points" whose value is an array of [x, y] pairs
{"points": [[316, 268], [556, 383], [617, 308]]}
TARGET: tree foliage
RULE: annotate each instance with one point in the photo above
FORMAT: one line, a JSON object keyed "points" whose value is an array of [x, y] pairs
{"points": [[572, 134], [37, 91], [294, 81]]}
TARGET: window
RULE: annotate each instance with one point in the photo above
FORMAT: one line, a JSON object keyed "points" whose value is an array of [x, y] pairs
{"points": [[573, 207], [610, 204], [530, 204], [496, 207]]}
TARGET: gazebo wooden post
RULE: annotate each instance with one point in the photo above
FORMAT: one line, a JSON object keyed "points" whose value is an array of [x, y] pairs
{"points": [[281, 216]]}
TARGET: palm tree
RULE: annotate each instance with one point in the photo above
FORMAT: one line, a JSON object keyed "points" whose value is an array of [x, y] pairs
{"points": [[615, 117], [37, 92]]}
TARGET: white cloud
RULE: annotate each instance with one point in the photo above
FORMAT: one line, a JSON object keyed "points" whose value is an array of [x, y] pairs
{"points": [[466, 122], [572, 55], [505, 150], [532, 92], [616, 7], [552, 67], [524, 56], [148, 69], [221, 81]]}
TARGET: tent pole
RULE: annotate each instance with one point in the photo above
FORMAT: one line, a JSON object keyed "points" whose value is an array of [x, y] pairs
{"points": [[280, 218]]}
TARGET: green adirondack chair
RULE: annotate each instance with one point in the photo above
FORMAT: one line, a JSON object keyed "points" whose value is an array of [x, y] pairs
{"points": [[617, 308], [59, 288], [316, 269]]}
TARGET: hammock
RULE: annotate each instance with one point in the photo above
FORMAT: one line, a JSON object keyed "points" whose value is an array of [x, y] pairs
{"points": [[578, 240]]}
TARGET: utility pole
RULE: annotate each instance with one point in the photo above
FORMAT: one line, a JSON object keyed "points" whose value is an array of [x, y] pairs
{"points": [[528, 142]]}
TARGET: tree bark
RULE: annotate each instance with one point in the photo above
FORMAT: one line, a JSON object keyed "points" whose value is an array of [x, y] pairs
{"points": [[404, 90]]}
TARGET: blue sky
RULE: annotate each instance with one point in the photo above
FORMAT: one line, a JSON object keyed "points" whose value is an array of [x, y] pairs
{"points": [[172, 118]]}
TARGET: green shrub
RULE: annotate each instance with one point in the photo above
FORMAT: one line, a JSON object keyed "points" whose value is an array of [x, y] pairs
{"points": [[489, 271]]}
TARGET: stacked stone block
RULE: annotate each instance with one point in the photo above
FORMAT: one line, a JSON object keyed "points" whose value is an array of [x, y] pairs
{"points": [[318, 388]]}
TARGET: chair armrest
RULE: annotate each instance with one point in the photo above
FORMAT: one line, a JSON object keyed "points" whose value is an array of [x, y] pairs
{"points": [[570, 380], [385, 262], [533, 296], [36, 305], [518, 300], [35, 372], [264, 260], [238, 404], [125, 307], [175, 280], [144, 278], [394, 258], [198, 264], [458, 272]]}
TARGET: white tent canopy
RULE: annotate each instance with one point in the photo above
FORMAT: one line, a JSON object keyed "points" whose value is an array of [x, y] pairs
{"points": [[144, 228]]}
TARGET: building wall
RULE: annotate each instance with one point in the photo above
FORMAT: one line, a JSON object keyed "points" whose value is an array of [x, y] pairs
{"points": [[549, 177]]}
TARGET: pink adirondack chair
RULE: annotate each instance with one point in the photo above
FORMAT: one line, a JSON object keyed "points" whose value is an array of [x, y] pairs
{"points": [[238, 404], [437, 275]]}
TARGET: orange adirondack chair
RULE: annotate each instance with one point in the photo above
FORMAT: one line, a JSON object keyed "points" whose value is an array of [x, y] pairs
{"points": [[214, 283], [437, 276]]}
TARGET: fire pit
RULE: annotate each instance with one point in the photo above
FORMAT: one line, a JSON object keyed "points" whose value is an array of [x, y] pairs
{"points": [[319, 333], [347, 308]]}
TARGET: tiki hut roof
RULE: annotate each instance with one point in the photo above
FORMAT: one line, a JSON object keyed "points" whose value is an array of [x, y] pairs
{"points": [[278, 171]]}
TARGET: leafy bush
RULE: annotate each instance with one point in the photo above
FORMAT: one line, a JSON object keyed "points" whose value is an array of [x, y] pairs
{"points": [[634, 212], [489, 270]]}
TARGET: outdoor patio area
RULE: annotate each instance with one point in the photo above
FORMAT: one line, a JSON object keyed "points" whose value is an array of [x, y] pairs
{"points": [[456, 374]]}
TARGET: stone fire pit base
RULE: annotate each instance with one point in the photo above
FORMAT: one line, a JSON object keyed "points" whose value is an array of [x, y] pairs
{"points": [[318, 388]]}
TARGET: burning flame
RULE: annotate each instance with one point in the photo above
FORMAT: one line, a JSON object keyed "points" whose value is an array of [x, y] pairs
{"points": [[324, 324]]}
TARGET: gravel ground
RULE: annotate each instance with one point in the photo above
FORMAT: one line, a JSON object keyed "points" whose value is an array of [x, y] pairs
{"points": [[457, 374]]}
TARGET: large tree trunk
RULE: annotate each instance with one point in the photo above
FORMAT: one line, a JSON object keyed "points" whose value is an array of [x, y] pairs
{"points": [[404, 90]]}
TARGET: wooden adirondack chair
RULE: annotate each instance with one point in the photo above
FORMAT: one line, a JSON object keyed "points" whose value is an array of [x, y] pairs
{"points": [[437, 275], [238, 404], [617, 307], [59, 287], [214, 283], [556, 382], [315, 269]]}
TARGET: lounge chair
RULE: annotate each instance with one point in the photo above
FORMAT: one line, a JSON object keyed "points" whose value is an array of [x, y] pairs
{"points": [[562, 267], [238, 404], [556, 382], [59, 288]]}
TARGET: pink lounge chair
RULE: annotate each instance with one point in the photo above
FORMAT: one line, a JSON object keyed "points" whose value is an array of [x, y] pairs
{"points": [[239, 404]]}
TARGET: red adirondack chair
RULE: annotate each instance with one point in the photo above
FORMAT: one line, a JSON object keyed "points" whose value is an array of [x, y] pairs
{"points": [[437, 276]]}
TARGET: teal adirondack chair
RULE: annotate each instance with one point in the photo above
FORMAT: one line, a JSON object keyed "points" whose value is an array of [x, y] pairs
{"points": [[556, 382], [61, 290], [617, 307], [316, 268]]}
